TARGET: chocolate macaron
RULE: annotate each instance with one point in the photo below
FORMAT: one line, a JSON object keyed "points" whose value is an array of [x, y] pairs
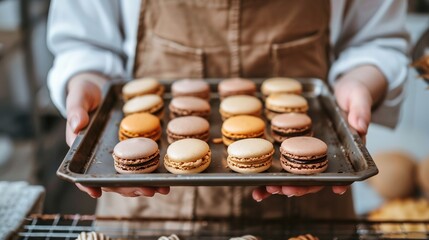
{"points": [[191, 87], [187, 156], [236, 86], [136, 155], [140, 125], [240, 105], [304, 155], [189, 106], [150, 103], [140, 87], [281, 85], [289, 125], [188, 127], [242, 127], [277, 104], [252, 155]]}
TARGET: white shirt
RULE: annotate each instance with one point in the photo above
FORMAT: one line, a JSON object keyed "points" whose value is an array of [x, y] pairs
{"points": [[100, 35]]}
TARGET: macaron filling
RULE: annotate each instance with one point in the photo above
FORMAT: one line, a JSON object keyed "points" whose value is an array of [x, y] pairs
{"points": [[302, 161], [136, 164], [293, 132], [236, 137], [254, 162], [188, 165], [175, 137]]}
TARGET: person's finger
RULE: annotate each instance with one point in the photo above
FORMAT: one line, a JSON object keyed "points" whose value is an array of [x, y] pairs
{"points": [[340, 189], [131, 191], [359, 115], [297, 191], [94, 192], [274, 189], [70, 135], [260, 193], [163, 190]]}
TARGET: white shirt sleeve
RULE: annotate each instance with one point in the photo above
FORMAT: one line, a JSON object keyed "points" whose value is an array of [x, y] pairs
{"points": [[373, 32], [84, 36]]}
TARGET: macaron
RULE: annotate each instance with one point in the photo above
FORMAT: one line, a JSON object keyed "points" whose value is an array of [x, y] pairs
{"points": [[284, 103], [187, 156], [189, 106], [236, 86], [287, 125], [240, 105], [242, 127], [140, 125], [140, 87], [191, 87], [281, 85], [150, 103], [304, 155], [188, 127], [136, 155], [252, 155]]}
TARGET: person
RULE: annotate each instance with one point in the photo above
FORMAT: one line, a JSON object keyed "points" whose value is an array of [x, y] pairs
{"points": [[357, 46]]}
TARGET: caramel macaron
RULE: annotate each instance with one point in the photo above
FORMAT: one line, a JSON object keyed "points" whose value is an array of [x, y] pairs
{"points": [[189, 106], [236, 86], [187, 156], [140, 87], [140, 125], [150, 103], [188, 127], [240, 105], [289, 125], [136, 155], [191, 87], [252, 155], [242, 127], [281, 85], [304, 155], [277, 104]]}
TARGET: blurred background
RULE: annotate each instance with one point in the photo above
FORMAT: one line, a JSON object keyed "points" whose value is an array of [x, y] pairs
{"points": [[32, 135]]}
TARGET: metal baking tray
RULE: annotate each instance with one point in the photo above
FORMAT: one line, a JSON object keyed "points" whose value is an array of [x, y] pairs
{"points": [[420, 49], [89, 160]]}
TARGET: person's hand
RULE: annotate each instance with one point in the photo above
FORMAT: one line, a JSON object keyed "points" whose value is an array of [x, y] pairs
{"points": [[357, 91], [262, 193], [84, 96]]}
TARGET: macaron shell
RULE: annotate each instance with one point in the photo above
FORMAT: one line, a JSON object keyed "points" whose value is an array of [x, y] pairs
{"points": [[304, 148], [189, 106], [250, 148], [196, 166], [304, 169], [141, 87], [291, 120], [191, 87], [140, 123], [187, 150], [243, 124], [147, 103], [189, 125], [281, 85], [286, 102], [235, 86], [135, 148], [256, 168], [240, 105]]}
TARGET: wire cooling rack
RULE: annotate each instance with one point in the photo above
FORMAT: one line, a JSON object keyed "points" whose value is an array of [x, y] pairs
{"points": [[69, 227]]}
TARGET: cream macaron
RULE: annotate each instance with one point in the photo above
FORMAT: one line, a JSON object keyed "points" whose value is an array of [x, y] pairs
{"points": [[252, 155], [140, 87], [240, 105], [281, 85], [277, 104], [151, 103], [187, 156]]}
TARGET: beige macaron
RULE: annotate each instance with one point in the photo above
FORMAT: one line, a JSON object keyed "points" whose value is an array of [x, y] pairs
{"points": [[284, 103], [252, 155], [281, 85], [140, 87], [187, 156], [240, 105], [151, 103]]}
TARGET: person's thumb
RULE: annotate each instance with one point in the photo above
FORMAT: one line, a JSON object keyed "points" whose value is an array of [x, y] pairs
{"points": [[359, 115]]}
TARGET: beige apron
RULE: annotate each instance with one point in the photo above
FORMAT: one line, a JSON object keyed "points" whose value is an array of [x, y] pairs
{"points": [[230, 38]]}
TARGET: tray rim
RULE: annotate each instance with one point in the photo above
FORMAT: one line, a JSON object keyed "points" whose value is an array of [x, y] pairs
{"points": [[258, 179]]}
